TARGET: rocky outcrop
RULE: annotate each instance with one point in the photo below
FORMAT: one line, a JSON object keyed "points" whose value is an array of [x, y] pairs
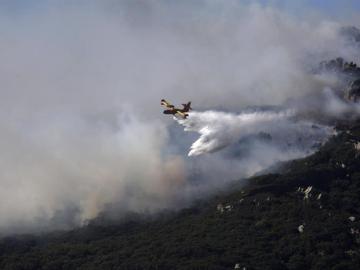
{"points": [[351, 33], [339, 65], [352, 93]]}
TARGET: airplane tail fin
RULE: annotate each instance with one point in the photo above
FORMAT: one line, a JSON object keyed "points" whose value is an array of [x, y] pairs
{"points": [[187, 106]]}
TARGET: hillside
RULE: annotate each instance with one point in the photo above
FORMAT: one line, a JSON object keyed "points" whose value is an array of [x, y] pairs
{"points": [[185, 135], [307, 217]]}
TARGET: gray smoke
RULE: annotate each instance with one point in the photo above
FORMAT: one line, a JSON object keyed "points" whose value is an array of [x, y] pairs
{"points": [[80, 119]]}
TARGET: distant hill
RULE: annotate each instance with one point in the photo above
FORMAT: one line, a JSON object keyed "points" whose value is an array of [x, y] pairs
{"points": [[351, 33]]}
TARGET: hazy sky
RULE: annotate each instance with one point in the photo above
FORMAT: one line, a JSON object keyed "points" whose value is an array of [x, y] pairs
{"points": [[332, 8]]}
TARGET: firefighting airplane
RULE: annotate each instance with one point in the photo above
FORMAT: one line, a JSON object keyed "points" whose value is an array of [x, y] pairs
{"points": [[176, 111]]}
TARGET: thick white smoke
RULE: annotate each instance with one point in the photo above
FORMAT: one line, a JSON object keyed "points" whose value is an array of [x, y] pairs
{"points": [[80, 84], [68, 172]]}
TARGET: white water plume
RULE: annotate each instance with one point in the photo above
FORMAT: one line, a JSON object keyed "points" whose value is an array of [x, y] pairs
{"points": [[219, 129]]}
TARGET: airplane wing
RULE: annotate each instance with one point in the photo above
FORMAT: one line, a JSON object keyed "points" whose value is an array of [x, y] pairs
{"points": [[166, 104], [183, 115]]}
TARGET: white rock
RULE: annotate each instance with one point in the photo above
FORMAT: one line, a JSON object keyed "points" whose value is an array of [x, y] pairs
{"points": [[357, 146], [352, 218], [307, 192], [350, 252], [301, 228]]}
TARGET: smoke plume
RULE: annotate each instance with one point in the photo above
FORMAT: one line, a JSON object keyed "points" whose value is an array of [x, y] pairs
{"points": [[82, 130]]}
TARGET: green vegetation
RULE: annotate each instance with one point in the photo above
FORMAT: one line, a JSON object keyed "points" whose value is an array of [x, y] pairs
{"points": [[276, 222]]}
